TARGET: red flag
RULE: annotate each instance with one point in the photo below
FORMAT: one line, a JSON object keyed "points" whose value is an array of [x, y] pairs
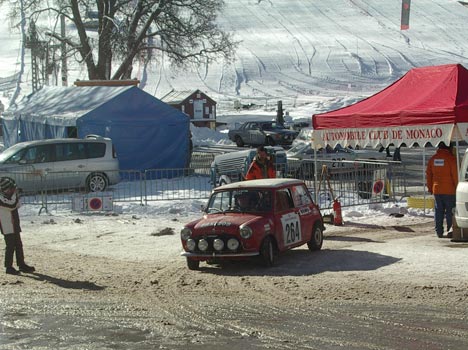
{"points": [[405, 11]]}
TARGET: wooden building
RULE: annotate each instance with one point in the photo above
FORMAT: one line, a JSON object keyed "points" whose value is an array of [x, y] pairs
{"points": [[197, 105]]}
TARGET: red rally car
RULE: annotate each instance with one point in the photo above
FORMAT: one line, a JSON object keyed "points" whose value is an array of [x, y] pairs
{"points": [[257, 218]]}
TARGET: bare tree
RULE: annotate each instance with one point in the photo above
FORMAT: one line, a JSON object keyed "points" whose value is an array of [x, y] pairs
{"points": [[116, 32]]}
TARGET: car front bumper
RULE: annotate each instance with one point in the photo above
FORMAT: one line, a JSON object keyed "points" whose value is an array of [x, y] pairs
{"points": [[218, 255]]}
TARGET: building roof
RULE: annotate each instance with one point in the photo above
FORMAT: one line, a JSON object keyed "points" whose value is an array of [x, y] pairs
{"points": [[177, 97]]}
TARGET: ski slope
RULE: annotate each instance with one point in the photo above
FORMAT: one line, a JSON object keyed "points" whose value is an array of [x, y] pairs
{"points": [[321, 54]]}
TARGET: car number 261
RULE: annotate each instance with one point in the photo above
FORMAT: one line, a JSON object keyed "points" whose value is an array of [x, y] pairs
{"points": [[291, 228]]}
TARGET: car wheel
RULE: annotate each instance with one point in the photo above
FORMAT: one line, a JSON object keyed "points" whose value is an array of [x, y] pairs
{"points": [[96, 182], [239, 141], [270, 142], [193, 264], [267, 252], [316, 240]]}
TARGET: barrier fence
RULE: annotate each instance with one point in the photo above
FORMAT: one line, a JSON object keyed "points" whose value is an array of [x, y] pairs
{"points": [[352, 183]]}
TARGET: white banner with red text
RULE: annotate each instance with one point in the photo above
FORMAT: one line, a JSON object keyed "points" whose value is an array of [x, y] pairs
{"points": [[376, 137]]}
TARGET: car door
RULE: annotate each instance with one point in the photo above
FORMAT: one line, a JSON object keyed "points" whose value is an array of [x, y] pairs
{"points": [[70, 165], [253, 133], [36, 166], [289, 231], [303, 204], [23, 168]]}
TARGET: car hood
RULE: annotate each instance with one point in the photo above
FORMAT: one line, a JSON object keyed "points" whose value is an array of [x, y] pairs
{"points": [[225, 220], [281, 131]]}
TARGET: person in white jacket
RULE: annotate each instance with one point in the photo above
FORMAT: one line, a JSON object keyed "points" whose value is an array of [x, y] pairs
{"points": [[10, 227]]}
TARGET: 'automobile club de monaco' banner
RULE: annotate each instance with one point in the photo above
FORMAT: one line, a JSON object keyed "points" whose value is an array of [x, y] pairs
{"points": [[374, 137]]}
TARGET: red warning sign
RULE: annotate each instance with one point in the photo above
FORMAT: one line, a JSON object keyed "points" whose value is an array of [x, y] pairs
{"points": [[378, 186], [95, 203]]}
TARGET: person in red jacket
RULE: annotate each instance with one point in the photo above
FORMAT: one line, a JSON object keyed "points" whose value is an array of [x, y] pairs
{"points": [[442, 180], [262, 166]]}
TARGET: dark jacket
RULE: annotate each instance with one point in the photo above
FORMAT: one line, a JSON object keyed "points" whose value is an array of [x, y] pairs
{"points": [[9, 217]]}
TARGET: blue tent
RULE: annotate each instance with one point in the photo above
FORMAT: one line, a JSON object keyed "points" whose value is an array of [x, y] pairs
{"points": [[147, 133]]}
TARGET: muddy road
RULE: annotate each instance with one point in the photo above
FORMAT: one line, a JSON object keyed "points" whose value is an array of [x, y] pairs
{"points": [[371, 287]]}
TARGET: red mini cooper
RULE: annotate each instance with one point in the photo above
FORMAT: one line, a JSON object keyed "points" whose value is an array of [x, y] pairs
{"points": [[257, 218]]}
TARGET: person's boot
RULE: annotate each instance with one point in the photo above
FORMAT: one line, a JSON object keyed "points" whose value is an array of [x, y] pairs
{"points": [[12, 271], [26, 268]]}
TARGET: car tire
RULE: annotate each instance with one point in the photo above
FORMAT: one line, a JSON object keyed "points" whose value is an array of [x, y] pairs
{"points": [[96, 182], [239, 141], [316, 240], [193, 264], [268, 252]]}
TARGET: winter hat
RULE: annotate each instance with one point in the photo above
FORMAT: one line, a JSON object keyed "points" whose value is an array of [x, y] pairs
{"points": [[6, 183]]}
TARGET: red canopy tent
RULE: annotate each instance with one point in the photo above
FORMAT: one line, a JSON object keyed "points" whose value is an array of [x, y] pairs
{"points": [[428, 104]]}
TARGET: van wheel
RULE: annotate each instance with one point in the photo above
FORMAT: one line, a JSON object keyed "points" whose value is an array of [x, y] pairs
{"points": [[239, 141], [96, 182]]}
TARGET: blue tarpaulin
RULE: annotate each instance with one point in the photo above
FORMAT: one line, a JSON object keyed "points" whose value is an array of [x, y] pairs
{"points": [[147, 133]]}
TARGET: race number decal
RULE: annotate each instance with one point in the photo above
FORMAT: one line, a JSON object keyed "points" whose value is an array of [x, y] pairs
{"points": [[291, 229]]}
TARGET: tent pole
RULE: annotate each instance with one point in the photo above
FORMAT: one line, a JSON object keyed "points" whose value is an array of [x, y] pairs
{"points": [[315, 175], [424, 177], [458, 159]]}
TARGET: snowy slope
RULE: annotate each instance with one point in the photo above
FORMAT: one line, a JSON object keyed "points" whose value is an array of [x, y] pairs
{"points": [[322, 53], [297, 50]]}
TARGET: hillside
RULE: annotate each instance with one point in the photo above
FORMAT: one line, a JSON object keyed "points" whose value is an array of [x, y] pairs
{"points": [[320, 53]]}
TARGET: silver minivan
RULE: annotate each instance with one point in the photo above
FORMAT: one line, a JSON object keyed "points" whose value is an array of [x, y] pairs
{"points": [[54, 164]]}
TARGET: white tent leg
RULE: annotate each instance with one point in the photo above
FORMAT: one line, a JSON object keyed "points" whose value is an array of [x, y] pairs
{"points": [[424, 178]]}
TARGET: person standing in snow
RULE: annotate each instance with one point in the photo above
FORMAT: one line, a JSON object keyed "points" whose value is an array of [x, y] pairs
{"points": [[442, 180], [262, 166], [10, 227]]}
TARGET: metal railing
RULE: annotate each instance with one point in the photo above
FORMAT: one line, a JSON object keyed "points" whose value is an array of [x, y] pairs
{"points": [[353, 183]]}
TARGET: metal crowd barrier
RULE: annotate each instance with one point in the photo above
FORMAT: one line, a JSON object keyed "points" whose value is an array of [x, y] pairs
{"points": [[353, 183]]}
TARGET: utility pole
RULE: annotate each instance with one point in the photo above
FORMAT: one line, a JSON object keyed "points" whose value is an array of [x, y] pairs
{"points": [[63, 47], [38, 53]]}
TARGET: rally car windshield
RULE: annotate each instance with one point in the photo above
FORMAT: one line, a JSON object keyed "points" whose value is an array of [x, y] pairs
{"points": [[240, 200]]}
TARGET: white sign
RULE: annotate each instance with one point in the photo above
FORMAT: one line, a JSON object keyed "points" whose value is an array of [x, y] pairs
{"points": [[291, 229], [374, 137]]}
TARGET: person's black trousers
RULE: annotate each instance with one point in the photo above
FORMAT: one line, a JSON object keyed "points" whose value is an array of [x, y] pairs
{"points": [[13, 245]]}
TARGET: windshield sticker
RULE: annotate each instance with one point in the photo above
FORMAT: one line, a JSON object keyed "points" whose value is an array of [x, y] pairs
{"points": [[304, 211]]}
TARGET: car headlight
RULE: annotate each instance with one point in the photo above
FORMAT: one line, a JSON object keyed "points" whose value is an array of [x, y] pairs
{"points": [[218, 244], [185, 233], [191, 244], [232, 244], [203, 244], [245, 232]]}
